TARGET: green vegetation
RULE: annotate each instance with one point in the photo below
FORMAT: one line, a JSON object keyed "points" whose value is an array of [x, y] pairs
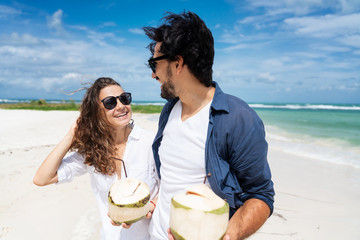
{"points": [[146, 108], [43, 105], [71, 106]]}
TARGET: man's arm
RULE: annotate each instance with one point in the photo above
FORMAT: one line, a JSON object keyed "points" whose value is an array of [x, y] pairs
{"points": [[247, 219]]}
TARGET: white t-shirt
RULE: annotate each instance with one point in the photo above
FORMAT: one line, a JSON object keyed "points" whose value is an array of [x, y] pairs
{"points": [[139, 163], [182, 155]]}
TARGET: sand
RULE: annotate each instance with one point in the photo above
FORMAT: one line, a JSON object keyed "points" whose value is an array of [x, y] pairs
{"points": [[314, 199]]}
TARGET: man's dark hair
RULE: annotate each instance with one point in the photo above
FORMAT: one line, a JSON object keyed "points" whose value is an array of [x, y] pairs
{"points": [[186, 35]]}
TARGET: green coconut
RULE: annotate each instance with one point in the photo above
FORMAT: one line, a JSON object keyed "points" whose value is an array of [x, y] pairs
{"points": [[128, 201], [198, 214]]}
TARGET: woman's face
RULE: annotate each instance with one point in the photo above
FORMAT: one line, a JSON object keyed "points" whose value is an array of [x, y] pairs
{"points": [[120, 116]]}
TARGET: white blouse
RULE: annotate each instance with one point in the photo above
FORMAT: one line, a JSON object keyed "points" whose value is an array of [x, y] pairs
{"points": [[139, 163]]}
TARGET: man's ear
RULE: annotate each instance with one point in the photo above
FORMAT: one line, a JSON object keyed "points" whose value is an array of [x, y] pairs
{"points": [[179, 62]]}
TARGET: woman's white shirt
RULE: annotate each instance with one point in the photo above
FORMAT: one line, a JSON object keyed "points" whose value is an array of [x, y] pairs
{"points": [[139, 163]]}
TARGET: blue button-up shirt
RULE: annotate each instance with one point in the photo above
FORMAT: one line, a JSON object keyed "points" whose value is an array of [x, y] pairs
{"points": [[235, 151]]}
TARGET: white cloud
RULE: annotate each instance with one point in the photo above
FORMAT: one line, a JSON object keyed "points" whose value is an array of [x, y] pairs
{"points": [[353, 40], [79, 27], [274, 63], [16, 39], [63, 63], [12, 51], [229, 37], [266, 78], [235, 47], [136, 31], [100, 38], [49, 83], [250, 19], [330, 48], [55, 21], [72, 76], [349, 6], [293, 7], [327, 26], [296, 7], [348, 87], [8, 12], [108, 24]]}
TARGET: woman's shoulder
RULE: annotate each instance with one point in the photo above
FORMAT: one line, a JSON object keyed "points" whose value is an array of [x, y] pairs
{"points": [[142, 133]]}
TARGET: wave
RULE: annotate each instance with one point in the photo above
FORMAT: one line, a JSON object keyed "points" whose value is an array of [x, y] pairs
{"points": [[307, 106], [329, 149], [13, 101]]}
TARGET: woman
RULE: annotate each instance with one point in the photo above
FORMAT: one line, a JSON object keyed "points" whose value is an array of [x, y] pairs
{"points": [[104, 139]]}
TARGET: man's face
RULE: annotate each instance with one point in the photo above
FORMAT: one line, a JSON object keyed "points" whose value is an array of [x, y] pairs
{"points": [[164, 75]]}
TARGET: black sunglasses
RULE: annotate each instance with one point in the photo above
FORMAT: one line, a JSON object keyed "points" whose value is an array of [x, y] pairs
{"points": [[152, 61], [110, 102]]}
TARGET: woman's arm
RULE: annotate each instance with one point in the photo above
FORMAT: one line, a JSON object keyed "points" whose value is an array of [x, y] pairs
{"points": [[47, 172]]}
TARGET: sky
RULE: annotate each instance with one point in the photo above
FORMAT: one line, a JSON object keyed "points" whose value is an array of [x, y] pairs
{"points": [[278, 51]]}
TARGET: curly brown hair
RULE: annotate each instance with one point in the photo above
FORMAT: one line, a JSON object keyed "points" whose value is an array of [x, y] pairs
{"points": [[93, 138]]}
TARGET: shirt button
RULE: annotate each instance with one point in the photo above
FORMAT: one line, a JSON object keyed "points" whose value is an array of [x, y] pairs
{"points": [[209, 174]]}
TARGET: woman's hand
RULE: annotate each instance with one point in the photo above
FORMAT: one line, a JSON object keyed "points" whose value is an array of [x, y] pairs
{"points": [[72, 129], [124, 225], [47, 172], [148, 216]]}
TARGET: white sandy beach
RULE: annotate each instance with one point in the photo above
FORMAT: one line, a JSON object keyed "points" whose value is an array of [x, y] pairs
{"points": [[314, 199]]}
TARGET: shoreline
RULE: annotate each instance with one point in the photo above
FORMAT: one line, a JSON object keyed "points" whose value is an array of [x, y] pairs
{"points": [[314, 199]]}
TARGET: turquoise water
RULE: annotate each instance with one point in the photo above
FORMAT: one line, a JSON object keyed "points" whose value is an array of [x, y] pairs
{"points": [[338, 124], [325, 132]]}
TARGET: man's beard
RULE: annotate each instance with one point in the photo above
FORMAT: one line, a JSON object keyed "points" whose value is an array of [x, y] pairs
{"points": [[168, 88]]}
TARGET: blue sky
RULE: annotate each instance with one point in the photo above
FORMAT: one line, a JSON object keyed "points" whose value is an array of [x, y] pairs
{"points": [[265, 51]]}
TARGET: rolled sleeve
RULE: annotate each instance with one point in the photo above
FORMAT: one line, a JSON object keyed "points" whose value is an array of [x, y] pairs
{"points": [[252, 168], [70, 167]]}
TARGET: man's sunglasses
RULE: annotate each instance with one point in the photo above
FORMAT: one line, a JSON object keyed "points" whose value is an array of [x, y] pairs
{"points": [[152, 61], [110, 102]]}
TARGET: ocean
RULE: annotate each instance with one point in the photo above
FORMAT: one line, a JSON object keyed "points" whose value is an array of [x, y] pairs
{"points": [[325, 132]]}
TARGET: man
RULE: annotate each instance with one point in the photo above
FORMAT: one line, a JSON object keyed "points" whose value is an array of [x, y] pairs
{"points": [[205, 132]]}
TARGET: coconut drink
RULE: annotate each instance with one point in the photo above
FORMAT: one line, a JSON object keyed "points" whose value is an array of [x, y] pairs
{"points": [[128, 201], [198, 214]]}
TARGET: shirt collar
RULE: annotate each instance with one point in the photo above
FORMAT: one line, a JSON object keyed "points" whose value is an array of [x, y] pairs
{"points": [[135, 133], [219, 102]]}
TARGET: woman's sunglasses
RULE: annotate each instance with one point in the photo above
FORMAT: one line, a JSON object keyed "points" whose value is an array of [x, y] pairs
{"points": [[152, 62], [110, 102]]}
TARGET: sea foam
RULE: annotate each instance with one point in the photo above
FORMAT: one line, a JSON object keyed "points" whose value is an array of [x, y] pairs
{"points": [[328, 149]]}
